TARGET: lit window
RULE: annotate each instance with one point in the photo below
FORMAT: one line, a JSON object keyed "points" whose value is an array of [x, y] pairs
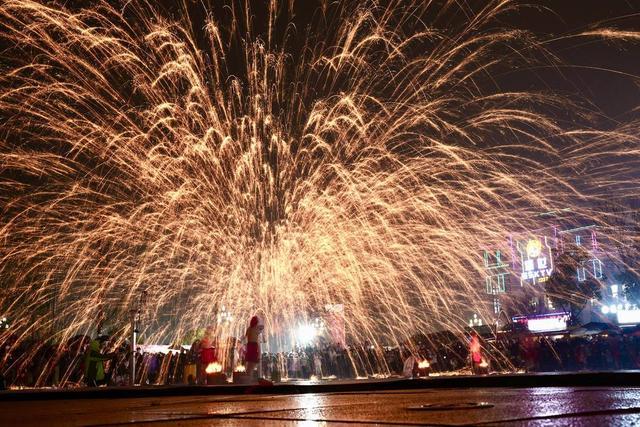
{"points": [[614, 291], [578, 242], [582, 274], [597, 268], [501, 287], [489, 287]]}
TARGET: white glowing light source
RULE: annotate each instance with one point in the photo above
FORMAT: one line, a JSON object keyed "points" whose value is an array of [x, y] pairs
{"points": [[605, 309], [306, 334], [613, 308], [628, 316], [547, 324], [213, 368]]}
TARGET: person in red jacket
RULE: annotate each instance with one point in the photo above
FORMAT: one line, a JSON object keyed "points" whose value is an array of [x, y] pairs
{"points": [[476, 353], [208, 353], [252, 355]]}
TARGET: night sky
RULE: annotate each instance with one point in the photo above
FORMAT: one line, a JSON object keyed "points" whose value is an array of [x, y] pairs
{"points": [[616, 94], [605, 75], [591, 61]]}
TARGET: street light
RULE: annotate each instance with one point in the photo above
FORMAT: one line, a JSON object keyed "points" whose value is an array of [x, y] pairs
{"points": [[475, 321], [135, 316], [135, 323], [224, 316]]}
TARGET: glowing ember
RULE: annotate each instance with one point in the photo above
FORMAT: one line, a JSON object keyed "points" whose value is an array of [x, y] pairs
{"points": [[213, 368], [423, 364]]}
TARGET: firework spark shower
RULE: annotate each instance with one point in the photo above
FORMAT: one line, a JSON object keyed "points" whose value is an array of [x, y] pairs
{"points": [[205, 157]]}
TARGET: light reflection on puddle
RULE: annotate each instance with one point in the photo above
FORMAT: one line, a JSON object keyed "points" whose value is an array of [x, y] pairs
{"points": [[311, 407]]}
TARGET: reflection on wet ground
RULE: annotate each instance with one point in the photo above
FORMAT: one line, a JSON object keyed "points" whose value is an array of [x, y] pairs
{"points": [[445, 407]]}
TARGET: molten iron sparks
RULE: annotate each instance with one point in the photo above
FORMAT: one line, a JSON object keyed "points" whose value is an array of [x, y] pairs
{"points": [[218, 167]]}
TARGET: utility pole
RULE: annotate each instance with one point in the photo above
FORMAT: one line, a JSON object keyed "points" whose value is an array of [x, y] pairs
{"points": [[135, 315], [135, 324], [264, 342]]}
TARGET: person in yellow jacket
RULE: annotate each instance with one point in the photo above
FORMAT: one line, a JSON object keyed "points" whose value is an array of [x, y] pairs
{"points": [[94, 365]]}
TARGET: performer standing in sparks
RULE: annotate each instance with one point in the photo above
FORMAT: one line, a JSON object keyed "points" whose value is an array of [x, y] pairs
{"points": [[252, 355], [475, 351]]}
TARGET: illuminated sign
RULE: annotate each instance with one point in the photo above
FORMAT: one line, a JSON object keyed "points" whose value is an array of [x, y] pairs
{"points": [[545, 323], [534, 248], [536, 260], [628, 316]]}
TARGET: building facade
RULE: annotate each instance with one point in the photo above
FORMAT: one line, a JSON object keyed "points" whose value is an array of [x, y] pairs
{"points": [[516, 274]]}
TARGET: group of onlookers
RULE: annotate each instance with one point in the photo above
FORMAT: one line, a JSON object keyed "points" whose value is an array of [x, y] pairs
{"points": [[100, 361], [566, 353], [85, 361]]}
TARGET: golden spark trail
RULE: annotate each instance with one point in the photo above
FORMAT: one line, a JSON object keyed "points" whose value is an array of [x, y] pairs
{"points": [[363, 160]]}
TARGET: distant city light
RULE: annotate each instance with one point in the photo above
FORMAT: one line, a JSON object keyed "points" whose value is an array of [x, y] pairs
{"points": [[626, 317], [545, 323]]}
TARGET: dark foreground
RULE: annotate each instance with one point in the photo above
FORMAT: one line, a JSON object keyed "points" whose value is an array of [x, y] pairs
{"points": [[604, 398], [487, 406]]}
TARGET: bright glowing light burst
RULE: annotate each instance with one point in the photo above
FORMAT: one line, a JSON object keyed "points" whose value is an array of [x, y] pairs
{"points": [[306, 334]]}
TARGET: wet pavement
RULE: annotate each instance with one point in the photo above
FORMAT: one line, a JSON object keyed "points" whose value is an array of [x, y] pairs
{"points": [[442, 407]]}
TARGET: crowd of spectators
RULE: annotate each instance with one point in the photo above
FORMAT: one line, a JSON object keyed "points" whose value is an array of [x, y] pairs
{"points": [[40, 364], [565, 353]]}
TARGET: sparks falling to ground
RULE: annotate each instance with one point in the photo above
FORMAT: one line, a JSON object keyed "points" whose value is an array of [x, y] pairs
{"points": [[363, 159]]}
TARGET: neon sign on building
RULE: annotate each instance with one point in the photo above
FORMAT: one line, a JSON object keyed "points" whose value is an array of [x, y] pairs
{"points": [[536, 260]]}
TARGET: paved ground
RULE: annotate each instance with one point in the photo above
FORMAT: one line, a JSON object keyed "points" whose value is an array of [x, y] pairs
{"points": [[487, 406]]}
